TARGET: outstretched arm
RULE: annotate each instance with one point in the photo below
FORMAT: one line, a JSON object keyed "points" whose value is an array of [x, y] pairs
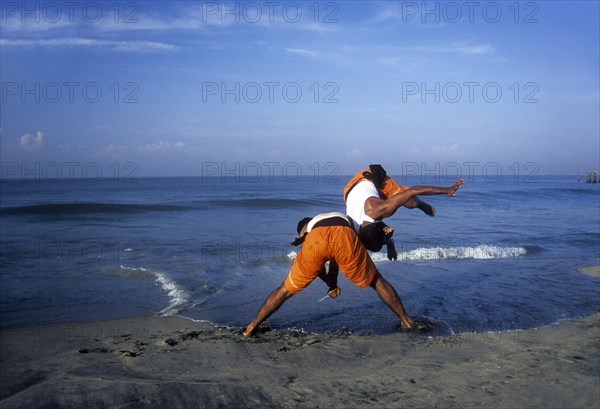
{"points": [[331, 279], [271, 304], [378, 208], [333, 289]]}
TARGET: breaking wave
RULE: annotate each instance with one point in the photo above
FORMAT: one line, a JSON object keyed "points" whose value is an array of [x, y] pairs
{"points": [[480, 252], [178, 297]]}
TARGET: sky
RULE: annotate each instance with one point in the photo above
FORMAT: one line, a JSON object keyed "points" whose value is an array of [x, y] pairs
{"points": [[151, 88]]}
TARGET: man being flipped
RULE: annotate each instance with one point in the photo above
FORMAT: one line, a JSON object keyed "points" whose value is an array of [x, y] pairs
{"points": [[371, 195]]}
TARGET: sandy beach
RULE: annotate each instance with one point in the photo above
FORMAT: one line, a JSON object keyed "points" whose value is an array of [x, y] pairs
{"points": [[172, 362]]}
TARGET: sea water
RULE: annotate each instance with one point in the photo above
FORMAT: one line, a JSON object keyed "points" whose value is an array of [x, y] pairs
{"points": [[503, 254]]}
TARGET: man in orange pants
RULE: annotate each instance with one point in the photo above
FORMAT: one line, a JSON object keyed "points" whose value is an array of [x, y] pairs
{"points": [[330, 237]]}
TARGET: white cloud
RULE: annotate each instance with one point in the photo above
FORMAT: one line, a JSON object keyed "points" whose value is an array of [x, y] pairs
{"points": [[109, 45], [302, 52], [190, 17], [455, 49], [396, 13], [113, 149], [446, 151], [355, 154], [16, 25], [30, 142], [163, 147], [390, 13], [155, 147]]}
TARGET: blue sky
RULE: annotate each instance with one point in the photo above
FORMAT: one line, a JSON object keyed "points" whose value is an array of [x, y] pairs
{"points": [[416, 86]]}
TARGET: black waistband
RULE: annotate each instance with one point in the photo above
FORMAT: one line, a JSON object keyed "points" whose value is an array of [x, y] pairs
{"points": [[330, 221], [333, 221]]}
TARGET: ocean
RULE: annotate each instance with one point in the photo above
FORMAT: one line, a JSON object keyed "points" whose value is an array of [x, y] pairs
{"points": [[501, 255]]}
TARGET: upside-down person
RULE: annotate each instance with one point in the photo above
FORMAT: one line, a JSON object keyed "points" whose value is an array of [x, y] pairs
{"points": [[371, 196]]}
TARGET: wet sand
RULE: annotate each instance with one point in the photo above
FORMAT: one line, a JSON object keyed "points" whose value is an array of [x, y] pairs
{"points": [[172, 362]]}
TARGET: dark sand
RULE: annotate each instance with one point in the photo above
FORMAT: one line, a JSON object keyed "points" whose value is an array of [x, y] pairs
{"points": [[171, 362]]}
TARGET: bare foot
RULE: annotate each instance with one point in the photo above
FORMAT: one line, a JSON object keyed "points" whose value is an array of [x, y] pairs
{"points": [[427, 209]]}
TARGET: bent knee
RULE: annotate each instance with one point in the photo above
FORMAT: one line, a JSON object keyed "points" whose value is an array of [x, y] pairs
{"points": [[376, 278]]}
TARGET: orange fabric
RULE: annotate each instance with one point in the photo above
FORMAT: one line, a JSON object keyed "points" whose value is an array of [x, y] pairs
{"points": [[330, 243], [390, 186], [353, 182]]}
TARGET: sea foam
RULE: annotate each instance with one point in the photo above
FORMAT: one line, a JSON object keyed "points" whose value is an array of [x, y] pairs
{"points": [[178, 297], [480, 252]]}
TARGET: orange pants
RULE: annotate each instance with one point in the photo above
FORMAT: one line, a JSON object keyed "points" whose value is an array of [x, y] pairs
{"points": [[330, 243]]}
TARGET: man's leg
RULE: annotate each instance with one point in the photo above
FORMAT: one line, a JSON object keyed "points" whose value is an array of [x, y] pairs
{"points": [[391, 187], [390, 297], [271, 304], [416, 203]]}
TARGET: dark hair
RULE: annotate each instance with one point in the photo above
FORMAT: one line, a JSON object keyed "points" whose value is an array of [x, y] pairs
{"points": [[303, 222], [372, 236]]}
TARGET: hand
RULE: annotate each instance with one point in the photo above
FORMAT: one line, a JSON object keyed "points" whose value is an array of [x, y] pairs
{"points": [[452, 189], [334, 292], [392, 254]]}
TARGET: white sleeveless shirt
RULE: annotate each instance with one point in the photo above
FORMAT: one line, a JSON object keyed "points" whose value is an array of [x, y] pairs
{"points": [[355, 202]]}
